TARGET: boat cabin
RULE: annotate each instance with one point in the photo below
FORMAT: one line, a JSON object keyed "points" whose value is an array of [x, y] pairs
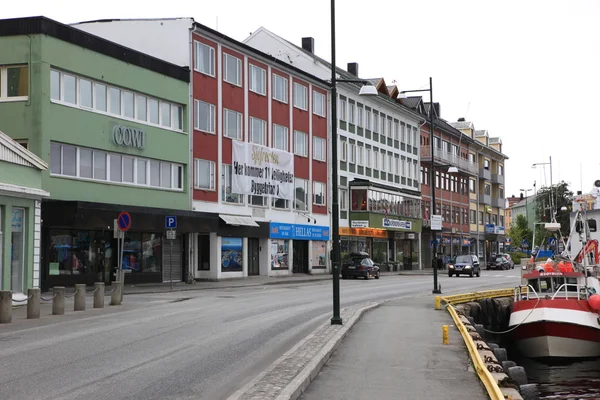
{"points": [[555, 285]]}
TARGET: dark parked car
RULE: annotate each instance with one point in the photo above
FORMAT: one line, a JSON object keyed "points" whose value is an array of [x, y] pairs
{"points": [[360, 265], [465, 265], [500, 262], [509, 258]]}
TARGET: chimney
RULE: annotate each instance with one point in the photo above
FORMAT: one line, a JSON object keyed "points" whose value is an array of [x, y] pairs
{"points": [[521, 196], [308, 44], [461, 120], [353, 68]]}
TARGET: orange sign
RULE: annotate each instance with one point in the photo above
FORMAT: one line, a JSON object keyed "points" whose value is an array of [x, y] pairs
{"points": [[366, 232]]}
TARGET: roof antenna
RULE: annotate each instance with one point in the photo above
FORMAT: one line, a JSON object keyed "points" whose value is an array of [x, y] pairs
{"points": [[217, 24], [466, 113]]}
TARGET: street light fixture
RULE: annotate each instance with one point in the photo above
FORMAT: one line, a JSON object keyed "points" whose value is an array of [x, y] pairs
{"points": [[366, 90], [402, 95], [526, 204]]}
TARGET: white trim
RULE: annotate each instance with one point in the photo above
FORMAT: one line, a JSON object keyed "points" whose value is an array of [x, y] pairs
{"points": [[20, 191], [22, 152], [219, 163], [565, 316]]}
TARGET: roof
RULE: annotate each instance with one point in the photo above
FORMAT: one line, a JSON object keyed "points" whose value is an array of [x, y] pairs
{"points": [[462, 125], [45, 26], [481, 133], [411, 102], [495, 140], [13, 152]]}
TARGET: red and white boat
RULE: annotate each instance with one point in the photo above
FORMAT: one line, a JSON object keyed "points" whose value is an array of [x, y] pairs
{"points": [[556, 310]]}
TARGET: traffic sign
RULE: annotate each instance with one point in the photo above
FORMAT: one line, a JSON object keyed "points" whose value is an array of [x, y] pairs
{"points": [[436, 222], [171, 235], [171, 222], [124, 221]]}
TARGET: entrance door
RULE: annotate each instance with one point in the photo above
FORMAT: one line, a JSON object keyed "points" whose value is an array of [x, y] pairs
{"points": [[300, 262], [253, 253], [172, 259], [17, 243], [407, 254]]}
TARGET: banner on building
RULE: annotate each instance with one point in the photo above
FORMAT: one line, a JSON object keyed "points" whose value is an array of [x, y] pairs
{"points": [[262, 171]]}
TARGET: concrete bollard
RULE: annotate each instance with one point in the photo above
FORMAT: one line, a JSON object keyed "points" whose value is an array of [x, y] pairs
{"points": [[99, 295], [445, 334], [116, 297], [5, 306], [438, 302], [33, 304], [79, 303], [58, 300]]}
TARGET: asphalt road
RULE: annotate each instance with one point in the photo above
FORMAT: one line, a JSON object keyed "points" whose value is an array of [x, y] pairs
{"points": [[193, 345]]}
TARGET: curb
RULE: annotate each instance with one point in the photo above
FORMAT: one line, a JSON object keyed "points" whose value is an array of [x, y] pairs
{"points": [[293, 389]]}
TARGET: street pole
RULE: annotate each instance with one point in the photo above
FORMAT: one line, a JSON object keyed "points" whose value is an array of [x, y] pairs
{"points": [[436, 288], [335, 220], [171, 264]]}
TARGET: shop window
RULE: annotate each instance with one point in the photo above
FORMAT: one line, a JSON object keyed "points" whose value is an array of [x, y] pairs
{"points": [[319, 254], [70, 252], [359, 199], [231, 254], [152, 252], [280, 254], [17, 244]]}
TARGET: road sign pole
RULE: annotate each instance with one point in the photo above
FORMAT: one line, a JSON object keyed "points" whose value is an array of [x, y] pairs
{"points": [[171, 263]]}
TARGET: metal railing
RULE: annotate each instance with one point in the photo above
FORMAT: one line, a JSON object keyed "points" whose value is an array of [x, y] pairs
{"points": [[450, 158]]}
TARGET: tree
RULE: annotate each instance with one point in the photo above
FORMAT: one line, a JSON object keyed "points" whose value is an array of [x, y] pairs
{"points": [[561, 197], [519, 231]]}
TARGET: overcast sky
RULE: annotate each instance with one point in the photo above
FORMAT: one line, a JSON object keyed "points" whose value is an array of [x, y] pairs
{"points": [[527, 71]]}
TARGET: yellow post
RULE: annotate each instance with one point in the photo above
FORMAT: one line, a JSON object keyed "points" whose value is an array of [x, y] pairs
{"points": [[438, 302], [445, 334]]}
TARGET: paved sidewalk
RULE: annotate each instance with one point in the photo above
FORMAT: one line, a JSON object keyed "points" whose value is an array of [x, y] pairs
{"points": [[395, 352]]}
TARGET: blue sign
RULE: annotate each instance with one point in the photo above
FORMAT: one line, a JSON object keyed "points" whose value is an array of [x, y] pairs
{"points": [[550, 241], [280, 230], [171, 222], [490, 228], [124, 221]]}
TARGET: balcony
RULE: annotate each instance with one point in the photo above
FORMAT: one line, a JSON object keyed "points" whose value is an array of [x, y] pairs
{"points": [[485, 199], [443, 157], [485, 174], [498, 202], [496, 178]]}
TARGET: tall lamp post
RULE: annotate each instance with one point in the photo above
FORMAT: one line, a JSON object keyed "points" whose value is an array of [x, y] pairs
{"points": [[367, 90], [402, 94], [526, 204]]}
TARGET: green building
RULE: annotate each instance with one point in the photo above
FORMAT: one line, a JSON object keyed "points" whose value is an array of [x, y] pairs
{"points": [[112, 125]]}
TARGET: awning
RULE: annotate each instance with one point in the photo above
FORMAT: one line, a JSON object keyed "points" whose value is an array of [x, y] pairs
{"points": [[237, 220]]}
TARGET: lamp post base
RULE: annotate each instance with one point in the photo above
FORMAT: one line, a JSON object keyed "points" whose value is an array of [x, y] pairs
{"points": [[336, 321], [436, 291]]}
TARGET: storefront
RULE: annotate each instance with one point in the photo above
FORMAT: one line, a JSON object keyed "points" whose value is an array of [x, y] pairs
{"points": [[369, 240], [20, 195], [298, 248]]}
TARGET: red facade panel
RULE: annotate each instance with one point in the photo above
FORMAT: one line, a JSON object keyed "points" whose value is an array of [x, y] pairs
{"points": [[320, 171], [258, 104]]}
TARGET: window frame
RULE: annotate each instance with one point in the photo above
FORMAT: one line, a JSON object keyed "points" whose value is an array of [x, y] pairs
{"points": [[323, 107], [4, 97], [286, 137], [296, 181], [212, 119], [226, 58], [226, 168], [212, 176], [323, 145], [323, 193], [286, 96], [251, 131], [298, 133], [304, 90], [251, 69], [239, 124], [212, 56]]}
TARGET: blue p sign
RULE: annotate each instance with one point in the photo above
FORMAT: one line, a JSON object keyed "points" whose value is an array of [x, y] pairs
{"points": [[171, 222]]}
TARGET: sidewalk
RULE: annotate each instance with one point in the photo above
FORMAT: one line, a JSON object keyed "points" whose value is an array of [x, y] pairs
{"points": [[395, 352]]}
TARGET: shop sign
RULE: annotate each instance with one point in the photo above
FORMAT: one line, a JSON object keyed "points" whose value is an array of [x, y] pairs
{"points": [[499, 230], [262, 171], [129, 137], [359, 224], [411, 236], [365, 232], [278, 230], [490, 228], [396, 223]]}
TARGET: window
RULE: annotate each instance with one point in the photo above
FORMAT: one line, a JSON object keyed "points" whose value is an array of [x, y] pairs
{"points": [[319, 193], [360, 155], [486, 164], [480, 217], [500, 169], [232, 69], [375, 122], [351, 110], [300, 96], [367, 119], [359, 115], [233, 124], [319, 148], [382, 124], [471, 158], [14, 82], [343, 195], [98, 165], [390, 164], [204, 174], [375, 159], [352, 155], [501, 220], [319, 103], [501, 193], [258, 80], [390, 130], [301, 194], [343, 150], [280, 88], [473, 215], [397, 130], [342, 109], [487, 189], [258, 131], [204, 59], [368, 158], [68, 89], [204, 116], [472, 185], [280, 137], [382, 161], [300, 144], [226, 192]]}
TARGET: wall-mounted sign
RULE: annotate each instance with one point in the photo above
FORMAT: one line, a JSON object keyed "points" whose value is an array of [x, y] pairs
{"points": [[278, 230], [490, 228], [396, 223], [359, 224], [262, 171], [365, 232], [129, 137], [436, 222]]}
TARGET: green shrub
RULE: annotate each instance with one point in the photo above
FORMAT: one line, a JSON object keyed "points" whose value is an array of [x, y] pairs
{"points": [[517, 256]]}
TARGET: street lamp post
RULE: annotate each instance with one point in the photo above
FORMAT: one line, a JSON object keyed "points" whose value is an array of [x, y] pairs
{"points": [[367, 90], [526, 204]]}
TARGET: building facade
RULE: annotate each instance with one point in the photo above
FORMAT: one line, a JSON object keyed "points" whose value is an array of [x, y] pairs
{"points": [[109, 122], [246, 102], [378, 154], [20, 216]]}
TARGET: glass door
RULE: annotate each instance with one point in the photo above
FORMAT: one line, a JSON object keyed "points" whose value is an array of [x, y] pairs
{"points": [[17, 245]]}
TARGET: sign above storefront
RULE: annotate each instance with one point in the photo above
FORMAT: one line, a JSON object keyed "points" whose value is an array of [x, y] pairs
{"points": [[364, 232], [279, 230], [359, 224], [396, 223], [262, 171], [129, 137]]}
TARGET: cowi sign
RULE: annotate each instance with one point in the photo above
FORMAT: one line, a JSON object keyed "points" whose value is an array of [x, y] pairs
{"points": [[262, 171]]}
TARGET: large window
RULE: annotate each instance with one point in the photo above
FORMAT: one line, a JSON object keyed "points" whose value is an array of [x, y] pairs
{"points": [[300, 96], [280, 137], [383, 202], [233, 124], [232, 69], [319, 105], [319, 148], [300, 144], [301, 197], [68, 89], [14, 83], [204, 174], [319, 193], [204, 59], [204, 116], [258, 80], [280, 88], [258, 131], [98, 165], [227, 195]]}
